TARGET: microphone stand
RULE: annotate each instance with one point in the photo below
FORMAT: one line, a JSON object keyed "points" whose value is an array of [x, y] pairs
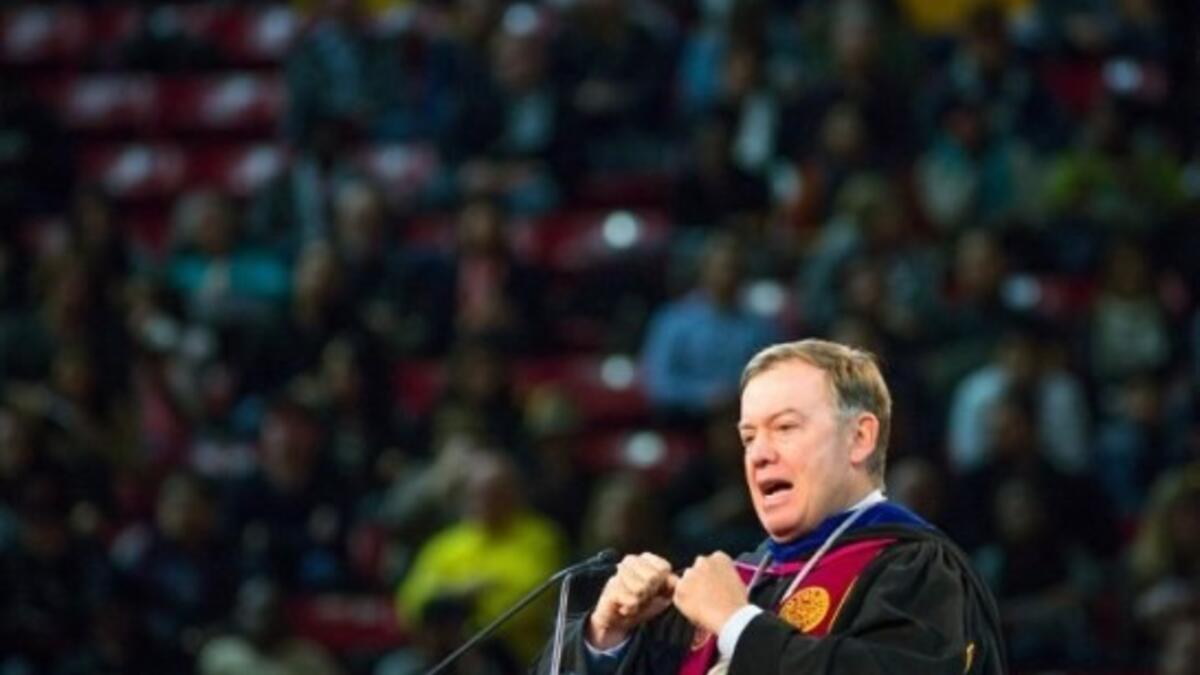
{"points": [[601, 560], [560, 625]]}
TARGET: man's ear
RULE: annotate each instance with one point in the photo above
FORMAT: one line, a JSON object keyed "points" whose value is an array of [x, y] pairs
{"points": [[864, 437]]}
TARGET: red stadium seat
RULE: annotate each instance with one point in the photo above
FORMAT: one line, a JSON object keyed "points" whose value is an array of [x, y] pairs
{"points": [[61, 35], [658, 454], [107, 103], [243, 35], [625, 190], [604, 389], [347, 623], [416, 386], [578, 240], [1076, 85], [162, 170], [103, 102], [141, 171], [232, 102], [400, 169], [430, 232]]}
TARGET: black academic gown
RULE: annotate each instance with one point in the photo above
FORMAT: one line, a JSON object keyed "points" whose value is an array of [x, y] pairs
{"points": [[917, 607]]}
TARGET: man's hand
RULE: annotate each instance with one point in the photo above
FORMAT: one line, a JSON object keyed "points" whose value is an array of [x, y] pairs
{"points": [[710, 592], [639, 591]]}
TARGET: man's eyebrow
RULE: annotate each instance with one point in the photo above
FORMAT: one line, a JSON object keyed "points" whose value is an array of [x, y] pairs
{"points": [[779, 413]]}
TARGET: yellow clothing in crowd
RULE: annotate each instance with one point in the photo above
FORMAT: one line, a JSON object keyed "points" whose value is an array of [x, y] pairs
{"points": [[499, 566], [944, 17]]}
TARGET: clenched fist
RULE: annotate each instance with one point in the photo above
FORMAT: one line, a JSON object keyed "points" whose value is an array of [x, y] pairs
{"points": [[710, 592], [640, 590]]}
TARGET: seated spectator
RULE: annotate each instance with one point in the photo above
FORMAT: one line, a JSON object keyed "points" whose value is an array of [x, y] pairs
{"points": [[497, 552], [1022, 360], [706, 500], [973, 314], [318, 309], [1129, 326], [1165, 558], [972, 175], [611, 70], [1116, 177], [97, 237], [1079, 512], [422, 495], [289, 516], [19, 463], [508, 143], [870, 230], [481, 290], [326, 70], [407, 83], [181, 573], [479, 387], [296, 206], [348, 391], [69, 310], [50, 581], [920, 485], [261, 641], [222, 443], [623, 514], [695, 347], [221, 277], [1043, 583], [116, 643], [556, 479], [373, 266], [751, 105], [859, 60], [1133, 442], [1180, 648], [363, 240], [842, 150], [713, 192], [985, 66]]}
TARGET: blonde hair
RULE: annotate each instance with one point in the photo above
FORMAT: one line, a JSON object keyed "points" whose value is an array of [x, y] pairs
{"points": [[854, 377]]}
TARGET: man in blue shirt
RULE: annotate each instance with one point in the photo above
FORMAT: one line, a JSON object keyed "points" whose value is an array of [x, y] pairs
{"points": [[696, 346]]}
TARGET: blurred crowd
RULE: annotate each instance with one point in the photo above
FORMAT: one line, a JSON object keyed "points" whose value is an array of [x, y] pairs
{"points": [[1000, 199]]}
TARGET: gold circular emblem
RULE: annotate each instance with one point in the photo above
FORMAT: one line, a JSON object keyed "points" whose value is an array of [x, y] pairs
{"points": [[807, 608]]}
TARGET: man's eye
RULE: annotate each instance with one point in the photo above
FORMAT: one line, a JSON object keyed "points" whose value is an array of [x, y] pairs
{"points": [[747, 440]]}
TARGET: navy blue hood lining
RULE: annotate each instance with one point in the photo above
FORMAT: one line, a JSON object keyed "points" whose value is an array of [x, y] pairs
{"points": [[882, 513]]}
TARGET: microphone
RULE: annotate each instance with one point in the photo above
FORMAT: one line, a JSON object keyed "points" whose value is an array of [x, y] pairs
{"points": [[602, 560]]}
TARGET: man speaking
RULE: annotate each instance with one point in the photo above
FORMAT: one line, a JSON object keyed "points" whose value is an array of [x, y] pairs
{"points": [[846, 582]]}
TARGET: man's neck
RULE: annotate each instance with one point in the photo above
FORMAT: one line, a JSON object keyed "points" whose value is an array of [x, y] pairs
{"points": [[873, 496]]}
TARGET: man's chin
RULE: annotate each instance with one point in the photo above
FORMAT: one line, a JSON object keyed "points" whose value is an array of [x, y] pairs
{"points": [[782, 532]]}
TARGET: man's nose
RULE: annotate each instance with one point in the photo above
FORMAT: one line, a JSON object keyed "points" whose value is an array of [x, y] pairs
{"points": [[760, 452]]}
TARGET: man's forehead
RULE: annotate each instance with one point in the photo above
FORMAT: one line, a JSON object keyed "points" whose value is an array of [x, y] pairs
{"points": [[783, 409]]}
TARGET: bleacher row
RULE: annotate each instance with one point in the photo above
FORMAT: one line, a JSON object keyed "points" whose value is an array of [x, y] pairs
{"points": [[46, 36], [149, 138]]}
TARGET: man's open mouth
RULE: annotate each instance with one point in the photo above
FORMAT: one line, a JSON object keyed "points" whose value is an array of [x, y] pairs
{"points": [[774, 487]]}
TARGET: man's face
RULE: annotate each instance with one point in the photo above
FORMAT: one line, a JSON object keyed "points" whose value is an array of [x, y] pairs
{"points": [[798, 452]]}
